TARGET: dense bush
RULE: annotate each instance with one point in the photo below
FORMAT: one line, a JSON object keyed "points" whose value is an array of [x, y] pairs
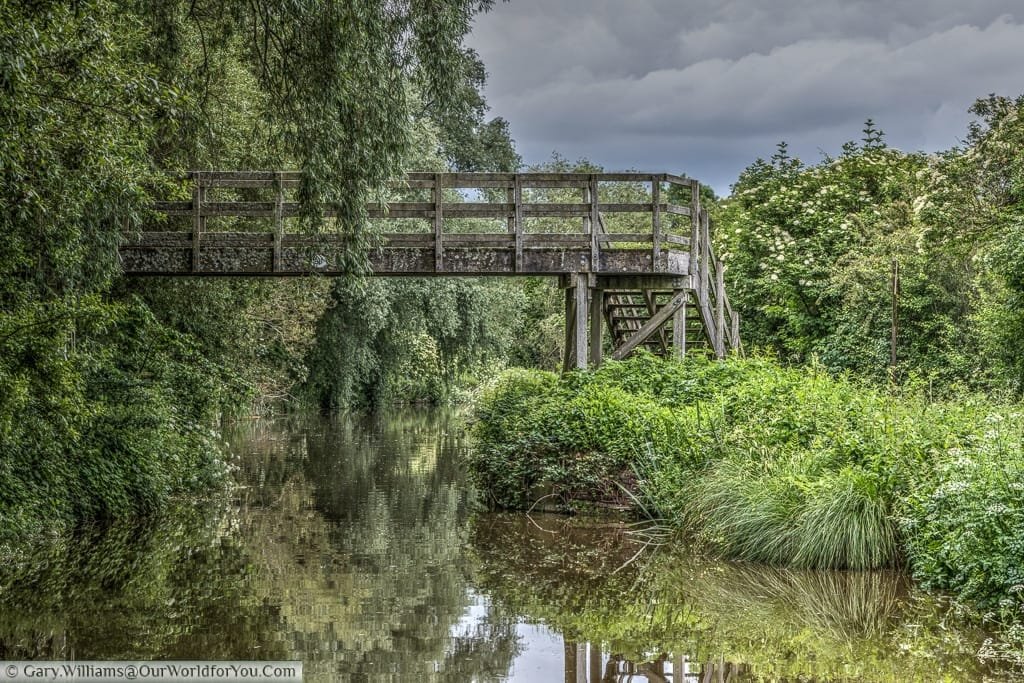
{"points": [[785, 466], [126, 430]]}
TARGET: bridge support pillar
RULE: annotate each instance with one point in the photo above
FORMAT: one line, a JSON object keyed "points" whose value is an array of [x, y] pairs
{"points": [[578, 296]]}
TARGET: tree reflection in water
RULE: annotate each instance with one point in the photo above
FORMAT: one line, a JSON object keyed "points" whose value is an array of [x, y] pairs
{"points": [[356, 546]]}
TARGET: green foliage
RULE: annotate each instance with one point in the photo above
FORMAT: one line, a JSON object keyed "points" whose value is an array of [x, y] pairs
{"points": [[785, 466], [99, 424], [964, 519], [810, 251], [113, 385]]}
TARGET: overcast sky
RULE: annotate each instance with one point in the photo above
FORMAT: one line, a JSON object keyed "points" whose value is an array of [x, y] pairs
{"points": [[704, 87]]}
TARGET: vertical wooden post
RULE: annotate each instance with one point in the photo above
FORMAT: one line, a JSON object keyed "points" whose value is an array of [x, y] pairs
{"points": [[582, 307], [278, 222], [719, 310], [595, 226], [517, 192], [438, 224], [510, 198], [894, 328], [576, 305], [656, 222], [735, 325], [198, 220], [569, 351], [596, 318], [587, 223], [679, 329], [694, 228]]}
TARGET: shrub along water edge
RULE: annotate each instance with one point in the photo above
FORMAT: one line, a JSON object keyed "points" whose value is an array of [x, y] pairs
{"points": [[778, 465]]}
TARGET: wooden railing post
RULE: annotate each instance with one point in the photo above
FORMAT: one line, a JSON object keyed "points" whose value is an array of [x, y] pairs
{"points": [[517, 196], [595, 222], [719, 310], [735, 329], [438, 224], [656, 222], [278, 222], [695, 231], [198, 220]]}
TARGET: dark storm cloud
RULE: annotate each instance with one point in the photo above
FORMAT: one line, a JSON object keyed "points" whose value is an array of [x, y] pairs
{"points": [[705, 87]]}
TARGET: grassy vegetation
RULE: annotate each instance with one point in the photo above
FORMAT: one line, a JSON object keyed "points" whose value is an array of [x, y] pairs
{"points": [[785, 466]]}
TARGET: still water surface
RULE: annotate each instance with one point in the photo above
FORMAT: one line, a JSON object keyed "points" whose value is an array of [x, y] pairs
{"points": [[357, 546]]}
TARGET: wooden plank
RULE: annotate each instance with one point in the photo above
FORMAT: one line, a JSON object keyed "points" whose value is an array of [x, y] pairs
{"points": [[517, 190], [588, 225], [278, 223], [609, 237], [581, 292], [569, 350], [680, 180], [650, 299], [720, 309], [734, 328], [676, 209], [596, 334], [694, 227], [546, 210], [650, 327], [656, 221], [438, 224], [198, 220], [679, 328], [596, 224], [625, 207], [536, 183], [554, 238]]}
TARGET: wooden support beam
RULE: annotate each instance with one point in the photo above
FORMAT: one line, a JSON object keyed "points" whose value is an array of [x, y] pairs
{"points": [[517, 190], [596, 318], [650, 327], [734, 324], [650, 300], [198, 219], [656, 221], [719, 310], [679, 328], [595, 225], [278, 224], [438, 224], [695, 245], [581, 291], [569, 350]]}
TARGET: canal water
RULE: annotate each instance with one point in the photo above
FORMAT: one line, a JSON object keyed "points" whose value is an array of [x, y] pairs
{"points": [[357, 546]]}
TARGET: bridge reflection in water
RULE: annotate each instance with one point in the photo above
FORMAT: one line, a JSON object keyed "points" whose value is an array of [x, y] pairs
{"points": [[587, 663]]}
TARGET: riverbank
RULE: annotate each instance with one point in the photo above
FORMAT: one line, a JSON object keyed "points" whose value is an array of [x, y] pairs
{"points": [[782, 466]]}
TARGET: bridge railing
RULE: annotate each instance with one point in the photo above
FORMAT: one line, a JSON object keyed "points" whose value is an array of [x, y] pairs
{"points": [[516, 212]]}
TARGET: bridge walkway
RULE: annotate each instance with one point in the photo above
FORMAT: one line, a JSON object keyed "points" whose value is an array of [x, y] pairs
{"points": [[632, 250]]}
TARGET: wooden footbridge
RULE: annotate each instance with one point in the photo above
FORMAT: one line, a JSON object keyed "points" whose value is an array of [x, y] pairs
{"points": [[632, 250]]}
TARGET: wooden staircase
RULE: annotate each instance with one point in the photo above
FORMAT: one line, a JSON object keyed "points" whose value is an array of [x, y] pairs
{"points": [[675, 321]]}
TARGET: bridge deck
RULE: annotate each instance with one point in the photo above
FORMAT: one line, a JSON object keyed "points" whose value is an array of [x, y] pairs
{"points": [[604, 233], [245, 223]]}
